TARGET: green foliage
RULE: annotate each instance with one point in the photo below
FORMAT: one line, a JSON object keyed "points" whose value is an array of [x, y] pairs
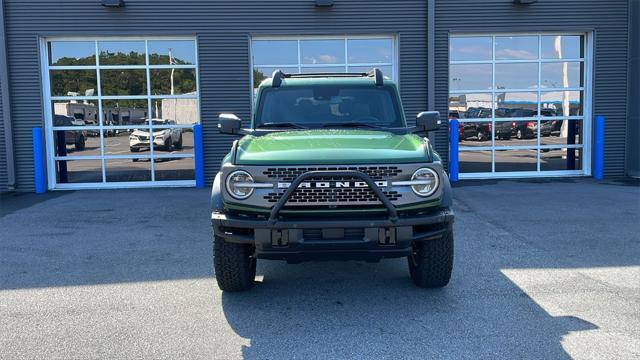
{"points": [[121, 82]]}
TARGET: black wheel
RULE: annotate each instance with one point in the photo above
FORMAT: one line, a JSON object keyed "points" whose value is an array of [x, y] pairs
{"points": [[234, 265], [481, 136], [506, 137], [167, 144], [178, 145], [519, 135], [80, 143], [431, 262]]}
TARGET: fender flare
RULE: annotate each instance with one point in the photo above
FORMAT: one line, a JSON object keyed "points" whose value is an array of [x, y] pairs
{"points": [[217, 204], [447, 192]]}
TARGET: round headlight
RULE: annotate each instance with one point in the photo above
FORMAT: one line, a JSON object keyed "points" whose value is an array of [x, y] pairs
{"points": [[237, 178], [426, 182]]}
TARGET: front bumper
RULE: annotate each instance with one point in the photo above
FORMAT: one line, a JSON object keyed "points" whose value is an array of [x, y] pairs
{"points": [[341, 239]]}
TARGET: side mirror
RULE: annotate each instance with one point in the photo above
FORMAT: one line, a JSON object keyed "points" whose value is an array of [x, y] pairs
{"points": [[229, 124], [427, 121]]}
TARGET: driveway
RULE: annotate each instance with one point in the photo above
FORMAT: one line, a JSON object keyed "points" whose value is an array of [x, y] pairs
{"points": [[543, 269]]}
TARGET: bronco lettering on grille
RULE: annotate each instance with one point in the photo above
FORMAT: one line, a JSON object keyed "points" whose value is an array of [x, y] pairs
{"points": [[331, 184]]}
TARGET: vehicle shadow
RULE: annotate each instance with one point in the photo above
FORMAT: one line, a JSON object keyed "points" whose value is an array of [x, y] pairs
{"points": [[359, 310]]}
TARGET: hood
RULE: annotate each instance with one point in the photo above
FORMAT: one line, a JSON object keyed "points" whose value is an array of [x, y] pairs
{"points": [[331, 146]]}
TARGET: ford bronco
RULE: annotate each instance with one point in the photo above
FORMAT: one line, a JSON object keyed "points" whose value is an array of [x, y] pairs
{"points": [[329, 170]]}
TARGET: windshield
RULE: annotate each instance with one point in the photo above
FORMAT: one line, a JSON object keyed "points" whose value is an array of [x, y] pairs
{"points": [[327, 106]]}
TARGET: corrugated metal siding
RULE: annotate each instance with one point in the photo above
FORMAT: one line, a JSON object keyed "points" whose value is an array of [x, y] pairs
{"points": [[3, 154], [223, 29], [608, 20]]}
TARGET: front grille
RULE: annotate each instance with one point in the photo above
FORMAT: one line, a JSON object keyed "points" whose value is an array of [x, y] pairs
{"points": [[313, 195], [375, 172], [332, 195]]}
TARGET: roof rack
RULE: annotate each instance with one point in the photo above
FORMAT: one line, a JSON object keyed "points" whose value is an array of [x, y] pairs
{"points": [[279, 75]]}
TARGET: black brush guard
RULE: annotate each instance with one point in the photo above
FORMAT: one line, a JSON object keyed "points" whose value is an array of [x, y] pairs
{"points": [[280, 238]]}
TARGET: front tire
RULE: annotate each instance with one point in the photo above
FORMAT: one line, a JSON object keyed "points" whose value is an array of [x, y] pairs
{"points": [[178, 145], [80, 143], [234, 265], [431, 262]]}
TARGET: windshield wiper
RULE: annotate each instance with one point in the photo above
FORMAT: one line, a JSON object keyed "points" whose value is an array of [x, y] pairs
{"points": [[354, 124], [282, 125]]}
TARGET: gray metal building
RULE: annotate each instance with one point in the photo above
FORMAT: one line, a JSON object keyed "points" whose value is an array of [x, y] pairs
{"points": [[97, 79]]}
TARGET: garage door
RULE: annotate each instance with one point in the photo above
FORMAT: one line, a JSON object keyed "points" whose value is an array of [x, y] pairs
{"points": [[323, 54], [120, 112], [522, 102]]}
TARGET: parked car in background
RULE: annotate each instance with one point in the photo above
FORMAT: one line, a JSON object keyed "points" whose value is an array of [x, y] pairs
{"points": [[78, 138], [482, 131], [164, 139]]}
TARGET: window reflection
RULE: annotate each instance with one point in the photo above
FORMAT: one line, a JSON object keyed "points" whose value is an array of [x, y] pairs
{"points": [[73, 82], [275, 52], [323, 69], [117, 142], [171, 52], [260, 73], [124, 112], [121, 52], [81, 112], [123, 82], [518, 132], [174, 168], [470, 77], [78, 171], [370, 51], [516, 160], [529, 119], [516, 47], [561, 132], [562, 47], [517, 76], [561, 75], [322, 51], [126, 123], [470, 105], [387, 71], [66, 53], [124, 170], [319, 55], [562, 103], [74, 141], [560, 159], [173, 81], [475, 161], [470, 48], [475, 133], [178, 111], [517, 104]]}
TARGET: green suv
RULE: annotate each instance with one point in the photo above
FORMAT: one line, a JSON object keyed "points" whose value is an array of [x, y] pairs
{"points": [[329, 170]]}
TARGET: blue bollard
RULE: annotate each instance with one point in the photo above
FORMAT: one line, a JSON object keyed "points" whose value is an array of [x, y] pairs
{"points": [[598, 149], [38, 160], [199, 155], [453, 149]]}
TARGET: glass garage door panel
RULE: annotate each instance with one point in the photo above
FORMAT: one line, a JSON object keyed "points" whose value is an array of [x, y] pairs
{"points": [[520, 102], [122, 112], [319, 54]]}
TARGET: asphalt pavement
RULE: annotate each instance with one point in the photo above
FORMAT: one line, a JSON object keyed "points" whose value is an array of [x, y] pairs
{"points": [[543, 270]]}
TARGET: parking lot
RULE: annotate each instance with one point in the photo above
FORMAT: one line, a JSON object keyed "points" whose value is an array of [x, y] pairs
{"points": [[543, 269]]}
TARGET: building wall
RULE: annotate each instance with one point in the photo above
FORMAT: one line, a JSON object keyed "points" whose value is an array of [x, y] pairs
{"points": [[607, 19], [3, 155], [223, 29], [633, 137]]}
